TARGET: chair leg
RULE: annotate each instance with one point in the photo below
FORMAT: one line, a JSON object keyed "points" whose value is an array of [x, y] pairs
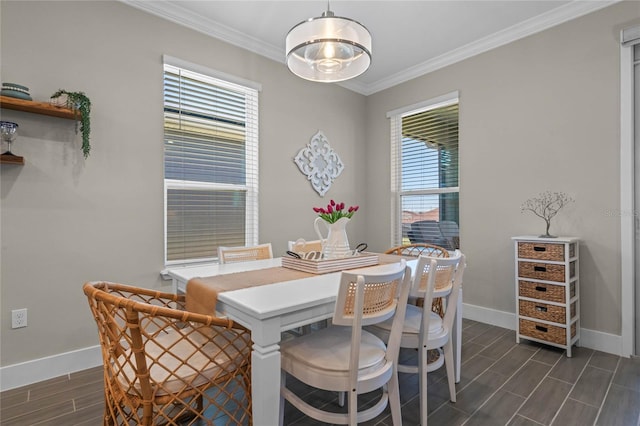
{"points": [[422, 381], [451, 375], [283, 378], [394, 399], [353, 408]]}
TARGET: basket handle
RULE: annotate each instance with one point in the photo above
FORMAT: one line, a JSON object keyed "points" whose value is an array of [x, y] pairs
{"points": [[541, 308], [539, 248], [541, 328], [540, 288], [540, 269]]}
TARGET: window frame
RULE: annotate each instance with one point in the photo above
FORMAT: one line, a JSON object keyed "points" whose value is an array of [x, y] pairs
{"points": [[397, 193], [251, 185]]}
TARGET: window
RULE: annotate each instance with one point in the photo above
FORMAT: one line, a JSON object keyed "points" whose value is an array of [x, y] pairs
{"points": [[210, 164], [424, 173]]}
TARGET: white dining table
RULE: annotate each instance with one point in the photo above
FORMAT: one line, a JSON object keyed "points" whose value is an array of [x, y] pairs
{"points": [[268, 310]]}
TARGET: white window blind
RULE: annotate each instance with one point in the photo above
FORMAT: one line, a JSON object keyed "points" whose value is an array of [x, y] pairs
{"points": [[210, 165], [424, 181]]}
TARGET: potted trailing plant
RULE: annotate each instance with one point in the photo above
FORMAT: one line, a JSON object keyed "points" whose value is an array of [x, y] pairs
{"points": [[81, 105]]}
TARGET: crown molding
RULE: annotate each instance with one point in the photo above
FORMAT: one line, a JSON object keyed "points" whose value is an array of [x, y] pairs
{"points": [[179, 15], [557, 16], [176, 13]]}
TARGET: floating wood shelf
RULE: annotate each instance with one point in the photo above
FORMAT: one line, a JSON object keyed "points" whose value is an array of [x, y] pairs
{"points": [[11, 159], [43, 108]]}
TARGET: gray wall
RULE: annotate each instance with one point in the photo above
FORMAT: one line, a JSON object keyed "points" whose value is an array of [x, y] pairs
{"points": [[66, 220], [541, 113]]}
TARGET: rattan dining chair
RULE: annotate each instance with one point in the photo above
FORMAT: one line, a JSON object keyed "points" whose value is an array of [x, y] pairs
{"points": [[244, 254], [346, 358], [164, 365], [426, 330], [419, 249]]}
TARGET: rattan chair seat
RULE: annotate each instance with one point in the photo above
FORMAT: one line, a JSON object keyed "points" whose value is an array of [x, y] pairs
{"points": [[174, 361]]}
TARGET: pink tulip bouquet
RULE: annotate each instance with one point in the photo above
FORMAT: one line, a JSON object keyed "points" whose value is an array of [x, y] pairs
{"points": [[335, 211]]}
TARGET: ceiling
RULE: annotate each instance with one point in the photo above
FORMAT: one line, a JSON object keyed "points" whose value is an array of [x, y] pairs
{"points": [[410, 38]]}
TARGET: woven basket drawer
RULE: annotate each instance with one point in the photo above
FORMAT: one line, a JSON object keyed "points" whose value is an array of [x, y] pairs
{"points": [[541, 271], [545, 311], [541, 251], [541, 291], [546, 332]]}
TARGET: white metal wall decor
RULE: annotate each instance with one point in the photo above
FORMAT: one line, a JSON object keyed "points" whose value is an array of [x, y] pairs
{"points": [[320, 163]]}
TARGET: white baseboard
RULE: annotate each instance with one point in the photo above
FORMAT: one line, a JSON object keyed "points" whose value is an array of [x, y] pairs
{"points": [[489, 316], [37, 370], [25, 373], [592, 339], [604, 342]]}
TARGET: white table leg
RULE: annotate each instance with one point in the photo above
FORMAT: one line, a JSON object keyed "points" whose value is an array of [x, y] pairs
{"points": [[265, 375]]}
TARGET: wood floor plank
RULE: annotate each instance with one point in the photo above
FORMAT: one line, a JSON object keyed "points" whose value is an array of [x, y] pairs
{"points": [[448, 415], [437, 396], [473, 331], [575, 413], [469, 350], [569, 369], [13, 398], [621, 407], [500, 346], [545, 401], [522, 421], [33, 413], [91, 415], [592, 386], [479, 391], [604, 360], [525, 381], [512, 361], [63, 389], [89, 399], [497, 411], [489, 336], [65, 392], [94, 374], [467, 322], [628, 373], [472, 369], [548, 354]]}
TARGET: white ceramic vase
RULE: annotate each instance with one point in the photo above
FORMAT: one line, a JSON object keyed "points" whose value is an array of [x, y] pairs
{"points": [[336, 244]]}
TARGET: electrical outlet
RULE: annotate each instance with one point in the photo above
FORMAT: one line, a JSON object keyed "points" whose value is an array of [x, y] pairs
{"points": [[19, 318]]}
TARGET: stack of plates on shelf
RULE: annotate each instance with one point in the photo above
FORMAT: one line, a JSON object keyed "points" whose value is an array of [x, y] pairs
{"points": [[15, 91]]}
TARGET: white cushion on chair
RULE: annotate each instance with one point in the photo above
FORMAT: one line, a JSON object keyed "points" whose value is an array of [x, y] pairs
{"points": [[329, 349], [412, 320]]}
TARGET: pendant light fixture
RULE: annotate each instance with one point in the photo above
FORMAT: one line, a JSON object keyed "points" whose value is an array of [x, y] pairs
{"points": [[328, 48]]}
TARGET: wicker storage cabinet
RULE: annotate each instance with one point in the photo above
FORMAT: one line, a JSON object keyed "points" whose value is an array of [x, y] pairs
{"points": [[547, 290]]}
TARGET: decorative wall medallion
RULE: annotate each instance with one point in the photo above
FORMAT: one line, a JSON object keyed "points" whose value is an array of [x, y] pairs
{"points": [[320, 163]]}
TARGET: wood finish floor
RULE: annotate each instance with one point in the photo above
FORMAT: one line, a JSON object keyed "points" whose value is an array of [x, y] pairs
{"points": [[502, 384]]}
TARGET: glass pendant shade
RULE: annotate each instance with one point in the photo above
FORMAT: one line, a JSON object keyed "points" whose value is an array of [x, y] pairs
{"points": [[328, 49]]}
